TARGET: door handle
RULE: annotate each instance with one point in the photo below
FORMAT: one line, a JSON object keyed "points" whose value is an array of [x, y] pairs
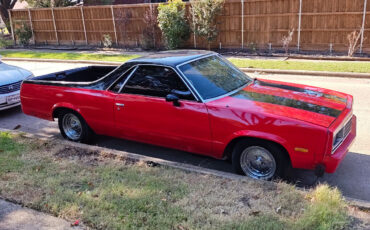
{"points": [[119, 105]]}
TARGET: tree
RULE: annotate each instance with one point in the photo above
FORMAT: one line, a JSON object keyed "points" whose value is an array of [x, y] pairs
{"points": [[173, 24], [286, 40], [353, 39], [205, 14], [6, 5], [122, 17], [151, 29]]}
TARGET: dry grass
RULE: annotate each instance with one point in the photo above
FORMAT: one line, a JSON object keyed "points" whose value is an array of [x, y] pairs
{"points": [[109, 192]]}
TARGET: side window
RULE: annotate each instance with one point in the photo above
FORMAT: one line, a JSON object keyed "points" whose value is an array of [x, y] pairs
{"points": [[157, 81], [117, 85]]}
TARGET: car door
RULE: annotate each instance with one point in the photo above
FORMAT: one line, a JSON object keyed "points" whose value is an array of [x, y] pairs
{"points": [[143, 114]]}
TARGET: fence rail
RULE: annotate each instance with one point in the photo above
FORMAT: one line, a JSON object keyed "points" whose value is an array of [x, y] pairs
{"points": [[251, 24]]}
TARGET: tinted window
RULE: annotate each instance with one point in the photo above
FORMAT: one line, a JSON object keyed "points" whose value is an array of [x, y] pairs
{"points": [[214, 76], [105, 82], [157, 81], [117, 86]]}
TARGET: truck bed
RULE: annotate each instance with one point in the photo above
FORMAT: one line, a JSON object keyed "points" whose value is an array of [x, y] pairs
{"points": [[83, 74]]}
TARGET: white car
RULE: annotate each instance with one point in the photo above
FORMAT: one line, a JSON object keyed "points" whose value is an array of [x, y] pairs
{"points": [[11, 78]]}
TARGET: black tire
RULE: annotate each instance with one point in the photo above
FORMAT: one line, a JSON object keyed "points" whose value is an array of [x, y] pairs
{"points": [[281, 160], [86, 135]]}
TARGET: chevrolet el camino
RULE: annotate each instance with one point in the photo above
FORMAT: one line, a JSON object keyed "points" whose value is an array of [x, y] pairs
{"points": [[197, 101]]}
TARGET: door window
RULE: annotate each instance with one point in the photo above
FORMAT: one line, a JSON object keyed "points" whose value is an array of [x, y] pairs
{"points": [[118, 84], [157, 81]]}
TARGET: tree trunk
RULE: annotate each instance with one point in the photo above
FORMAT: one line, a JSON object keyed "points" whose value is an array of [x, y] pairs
{"points": [[6, 5], [5, 17]]}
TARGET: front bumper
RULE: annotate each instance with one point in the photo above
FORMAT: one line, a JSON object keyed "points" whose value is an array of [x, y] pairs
{"points": [[3, 102], [331, 162]]}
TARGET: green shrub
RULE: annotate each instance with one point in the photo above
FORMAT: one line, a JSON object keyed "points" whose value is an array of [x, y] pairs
{"points": [[327, 210], [4, 42], [107, 41], [205, 13], [172, 22], [23, 34]]}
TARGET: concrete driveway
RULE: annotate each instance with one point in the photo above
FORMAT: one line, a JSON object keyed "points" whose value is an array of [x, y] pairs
{"points": [[352, 176]]}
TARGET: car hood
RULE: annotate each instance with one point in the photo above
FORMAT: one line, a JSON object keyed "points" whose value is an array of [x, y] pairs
{"points": [[306, 103], [10, 74]]}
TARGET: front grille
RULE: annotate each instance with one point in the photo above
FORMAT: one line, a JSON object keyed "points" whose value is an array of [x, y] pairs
{"points": [[10, 87], [342, 134]]}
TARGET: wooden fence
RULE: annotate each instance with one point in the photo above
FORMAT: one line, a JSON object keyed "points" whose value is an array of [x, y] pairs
{"points": [[249, 24]]}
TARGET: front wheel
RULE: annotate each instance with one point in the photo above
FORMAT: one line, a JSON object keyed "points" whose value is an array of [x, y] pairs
{"points": [[259, 160], [73, 127]]}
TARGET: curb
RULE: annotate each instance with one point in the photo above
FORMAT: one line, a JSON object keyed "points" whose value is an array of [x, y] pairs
{"points": [[247, 70], [360, 204]]}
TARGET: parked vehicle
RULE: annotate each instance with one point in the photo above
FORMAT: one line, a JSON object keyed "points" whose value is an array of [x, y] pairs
{"points": [[11, 78], [198, 102]]}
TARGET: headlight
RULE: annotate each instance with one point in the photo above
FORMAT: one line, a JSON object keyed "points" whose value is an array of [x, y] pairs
{"points": [[341, 135]]}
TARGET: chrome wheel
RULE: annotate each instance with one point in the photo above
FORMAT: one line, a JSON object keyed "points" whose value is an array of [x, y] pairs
{"points": [[72, 126], [257, 162]]}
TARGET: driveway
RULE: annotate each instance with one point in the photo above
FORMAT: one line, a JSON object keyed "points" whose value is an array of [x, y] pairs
{"points": [[352, 176]]}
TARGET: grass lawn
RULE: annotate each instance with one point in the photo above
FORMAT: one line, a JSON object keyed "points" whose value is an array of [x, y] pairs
{"points": [[107, 192], [332, 66], [68, 56]]}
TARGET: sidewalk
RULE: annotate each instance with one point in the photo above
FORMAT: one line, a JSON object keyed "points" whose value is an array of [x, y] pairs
{"points": [[15, 217]]}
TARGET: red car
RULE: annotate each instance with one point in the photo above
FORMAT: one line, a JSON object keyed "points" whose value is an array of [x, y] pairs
{"points": [[198, 102]]}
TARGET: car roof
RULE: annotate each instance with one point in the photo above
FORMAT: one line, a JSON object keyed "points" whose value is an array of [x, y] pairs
{"points": [[171, 58]]}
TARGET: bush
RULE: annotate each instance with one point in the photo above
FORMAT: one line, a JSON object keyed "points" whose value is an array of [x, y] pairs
{"points": [[4, 42], [172, 22], [23, 34], [205, 13], [107, 41], [327, 210]]}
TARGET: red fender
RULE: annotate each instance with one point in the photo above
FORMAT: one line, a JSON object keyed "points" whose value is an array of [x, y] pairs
{"points": [[64, 105]]}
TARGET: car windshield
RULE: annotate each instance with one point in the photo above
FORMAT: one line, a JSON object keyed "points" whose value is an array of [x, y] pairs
{"points": [[214, 76]]}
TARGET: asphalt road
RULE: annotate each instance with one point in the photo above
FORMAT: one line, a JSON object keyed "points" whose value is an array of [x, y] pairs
{"points": [[352, 176]]}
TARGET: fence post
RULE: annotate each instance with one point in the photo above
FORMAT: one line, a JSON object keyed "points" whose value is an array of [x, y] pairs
{"points": [[55, 27], [83, 23], [11, 25], [299, 25], [363, 26], [114, 25], [242, 24], [30, 19]]}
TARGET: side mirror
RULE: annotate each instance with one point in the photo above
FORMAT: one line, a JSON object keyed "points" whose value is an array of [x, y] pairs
{"points": [[183, 94], [173, 98]]}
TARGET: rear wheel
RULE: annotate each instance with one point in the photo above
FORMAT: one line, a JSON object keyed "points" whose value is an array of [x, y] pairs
{"points": [[73, 127], [259, 160]]}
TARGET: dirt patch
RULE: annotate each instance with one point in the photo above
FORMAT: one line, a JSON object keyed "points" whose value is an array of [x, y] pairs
{"points": [[68, 152], [93, 157]]}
